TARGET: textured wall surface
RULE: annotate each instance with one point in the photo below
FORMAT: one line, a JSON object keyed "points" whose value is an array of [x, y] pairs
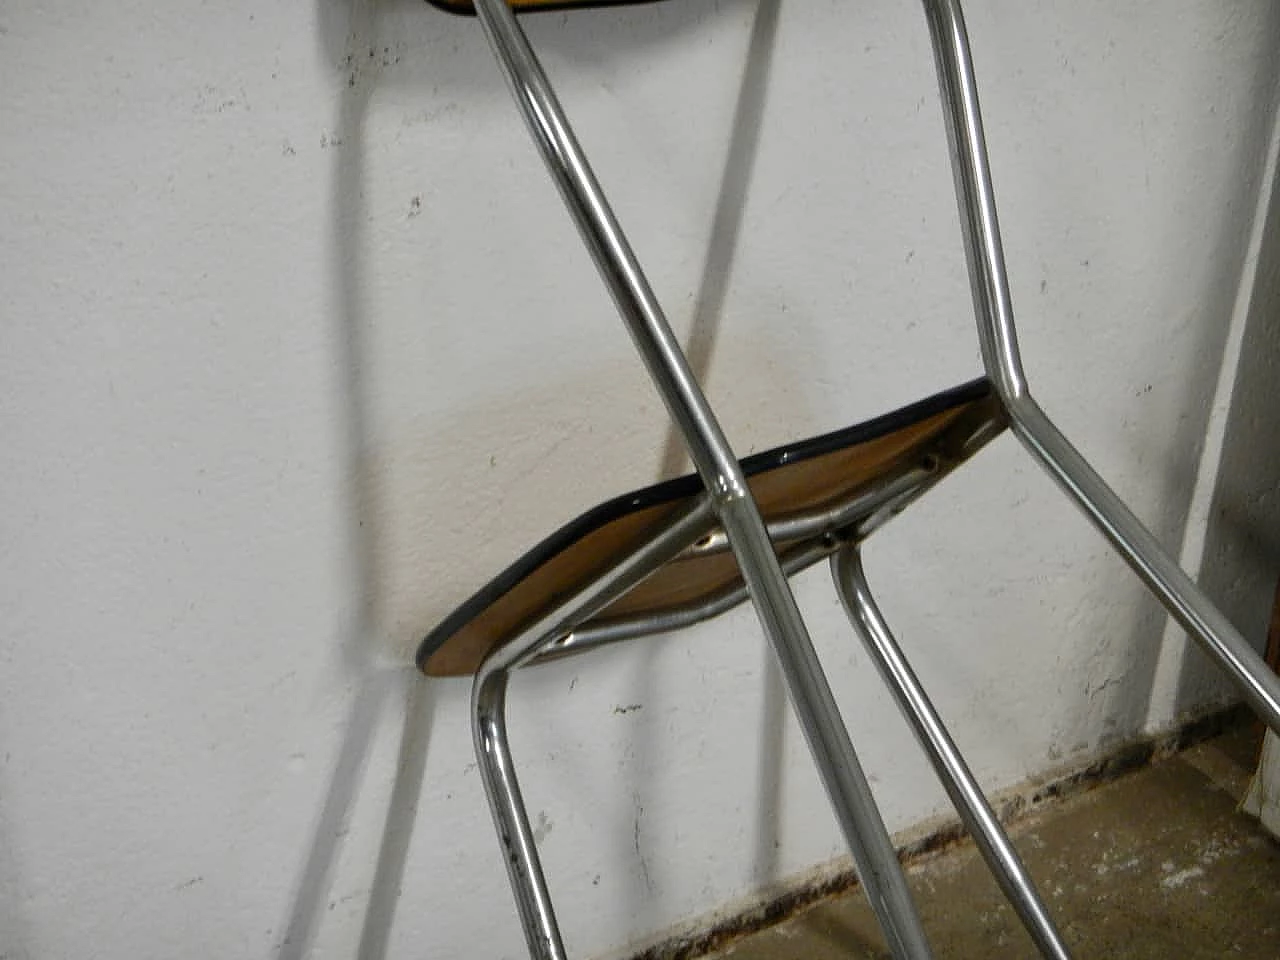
{"points": [[297, 350]]}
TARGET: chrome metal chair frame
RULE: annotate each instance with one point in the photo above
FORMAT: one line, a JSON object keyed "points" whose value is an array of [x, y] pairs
{"points": [[728, 514]]}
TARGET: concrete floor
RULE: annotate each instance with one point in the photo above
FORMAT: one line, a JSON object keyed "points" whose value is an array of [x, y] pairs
{"points": [[1157, 864]]}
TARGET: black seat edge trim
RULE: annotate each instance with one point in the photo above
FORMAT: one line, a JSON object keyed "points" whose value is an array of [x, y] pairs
{"points": [[679, 488]]}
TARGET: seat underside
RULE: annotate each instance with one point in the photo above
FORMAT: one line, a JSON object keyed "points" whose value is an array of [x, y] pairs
{"points": [[808, 476]]}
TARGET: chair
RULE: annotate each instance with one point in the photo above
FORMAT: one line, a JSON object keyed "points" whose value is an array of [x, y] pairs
{"points": [[683, 551]]}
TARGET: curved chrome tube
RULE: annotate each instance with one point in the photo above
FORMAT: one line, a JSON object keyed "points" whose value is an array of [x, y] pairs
{"points": [[997, 334], [846, 513], [520, 851], [961, 786], [998, 337], [810, 536], [819, 533], [728, 495], [489, 725], [721, 474], [606, 632]]}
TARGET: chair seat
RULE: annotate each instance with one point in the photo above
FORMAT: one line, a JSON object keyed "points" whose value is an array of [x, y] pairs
{"points": [[789, 480]]}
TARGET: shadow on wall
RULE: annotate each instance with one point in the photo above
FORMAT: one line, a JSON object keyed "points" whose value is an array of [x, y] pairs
{"points": [[576, 39], [345, 29], [349, 31], [14, 927], [384, 484], [1130, 701], [1241, 558]]}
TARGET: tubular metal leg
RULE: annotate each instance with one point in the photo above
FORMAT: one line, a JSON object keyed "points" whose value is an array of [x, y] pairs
{"points": [[948, 763], [493, 755], [716, 463], [998, 337]]}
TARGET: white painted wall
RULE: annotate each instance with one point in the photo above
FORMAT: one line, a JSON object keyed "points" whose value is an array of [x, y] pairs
{"points": [[297, 351]]}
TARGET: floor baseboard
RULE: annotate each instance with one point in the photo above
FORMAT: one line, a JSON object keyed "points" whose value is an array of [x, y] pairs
{"points": [[939, 835]]}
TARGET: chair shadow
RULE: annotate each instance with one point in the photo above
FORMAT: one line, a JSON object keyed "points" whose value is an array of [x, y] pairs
{"points": [[1240, 556], [853, 933], [349, 28], [704, 331], [315, 878], [402, 812], [345, 29], [726, 224], [1174, 467], [1221, 528], [17, 933]]}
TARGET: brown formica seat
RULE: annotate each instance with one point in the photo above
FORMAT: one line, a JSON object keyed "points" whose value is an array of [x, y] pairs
{"points": [[812, 478]]}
